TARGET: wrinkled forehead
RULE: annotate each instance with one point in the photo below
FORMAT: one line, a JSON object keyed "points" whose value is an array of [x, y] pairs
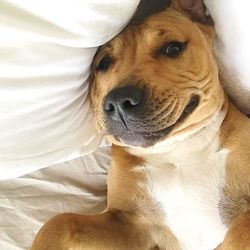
{"points": [[156, 30]]}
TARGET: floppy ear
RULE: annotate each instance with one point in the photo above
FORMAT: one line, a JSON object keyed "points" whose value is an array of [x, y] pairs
{"points": [[194, 8]]}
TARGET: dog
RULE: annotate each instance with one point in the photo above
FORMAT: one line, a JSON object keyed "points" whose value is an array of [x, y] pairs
{"points": [[180, 170]]}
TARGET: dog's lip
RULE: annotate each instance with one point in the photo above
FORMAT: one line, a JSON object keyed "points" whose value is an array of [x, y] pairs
{"points": [[152, 137], [190, 107]]}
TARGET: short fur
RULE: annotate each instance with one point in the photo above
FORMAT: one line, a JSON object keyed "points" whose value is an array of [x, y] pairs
{"points": [[188, 189]]}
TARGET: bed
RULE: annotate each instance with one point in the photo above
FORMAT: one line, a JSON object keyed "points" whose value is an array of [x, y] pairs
{"points": [[27, 202], [73, 179]]}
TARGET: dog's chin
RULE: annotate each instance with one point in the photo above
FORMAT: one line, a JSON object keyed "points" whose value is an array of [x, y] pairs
{"points": [[130, 137]]}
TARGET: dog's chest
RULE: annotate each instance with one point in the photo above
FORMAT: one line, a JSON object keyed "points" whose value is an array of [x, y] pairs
{"points": [[187, 188]]}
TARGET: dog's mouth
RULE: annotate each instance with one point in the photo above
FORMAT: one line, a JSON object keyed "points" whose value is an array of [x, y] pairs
{"points": [[146, 138]]}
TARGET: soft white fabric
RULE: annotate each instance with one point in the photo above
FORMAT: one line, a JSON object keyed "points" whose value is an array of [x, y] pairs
{"points": [[232, 21], [78, 185], [26, 203], [46, 48]]}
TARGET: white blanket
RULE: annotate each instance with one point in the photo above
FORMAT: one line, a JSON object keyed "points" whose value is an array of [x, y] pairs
{"points": [[26, 203], [46, 48], [78, 185]]}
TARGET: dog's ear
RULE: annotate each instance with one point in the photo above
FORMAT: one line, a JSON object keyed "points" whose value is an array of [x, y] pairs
{"points": [[147, 8], [194, 8], [196, 11]]}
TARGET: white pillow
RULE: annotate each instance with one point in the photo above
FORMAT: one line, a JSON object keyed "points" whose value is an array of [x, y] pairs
{"points": [[46, 48], [232, 21]]}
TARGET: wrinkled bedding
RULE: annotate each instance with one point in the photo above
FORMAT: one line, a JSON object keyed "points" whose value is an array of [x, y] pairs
{"points": [[26, 203], [79, 185]]}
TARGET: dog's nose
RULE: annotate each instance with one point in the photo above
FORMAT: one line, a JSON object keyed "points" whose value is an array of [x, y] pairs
{"points": [[122, 103]]}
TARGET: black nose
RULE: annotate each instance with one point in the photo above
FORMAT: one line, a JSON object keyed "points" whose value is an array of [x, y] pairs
{"points": [[123, 103]]}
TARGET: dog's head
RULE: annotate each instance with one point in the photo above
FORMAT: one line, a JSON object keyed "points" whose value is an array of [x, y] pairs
{"points": [[155, 79]]}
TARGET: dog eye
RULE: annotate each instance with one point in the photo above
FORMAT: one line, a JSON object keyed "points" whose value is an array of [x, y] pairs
{"points": [[104, 64], [173, 49]]}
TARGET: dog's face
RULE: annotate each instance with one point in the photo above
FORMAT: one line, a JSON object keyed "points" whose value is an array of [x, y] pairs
{"points": [[155, 80]]}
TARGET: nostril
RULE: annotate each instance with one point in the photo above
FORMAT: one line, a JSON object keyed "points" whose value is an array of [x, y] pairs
{"points": [[109, 107], [129, 104]]}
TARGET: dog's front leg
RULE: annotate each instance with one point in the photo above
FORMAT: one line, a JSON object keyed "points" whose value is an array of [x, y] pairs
{"points": [[109, 230], [238, 235]]}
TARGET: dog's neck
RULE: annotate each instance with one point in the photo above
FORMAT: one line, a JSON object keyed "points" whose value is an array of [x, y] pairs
{"points": [[184, 165]]}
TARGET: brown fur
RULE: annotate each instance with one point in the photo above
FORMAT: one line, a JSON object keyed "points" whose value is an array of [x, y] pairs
{"points": [[238, 236], [235, 137]]}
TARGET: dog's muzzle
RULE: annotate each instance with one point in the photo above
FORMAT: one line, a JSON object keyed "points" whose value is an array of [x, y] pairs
{"points": [[128, 116]]}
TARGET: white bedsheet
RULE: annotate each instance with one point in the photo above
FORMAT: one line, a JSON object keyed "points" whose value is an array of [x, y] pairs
{"points": [[80, 185], [28, 202], [46, 48]]}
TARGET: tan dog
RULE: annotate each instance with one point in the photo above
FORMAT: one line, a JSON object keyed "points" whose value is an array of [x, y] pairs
{"points": [[180, 174]]}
